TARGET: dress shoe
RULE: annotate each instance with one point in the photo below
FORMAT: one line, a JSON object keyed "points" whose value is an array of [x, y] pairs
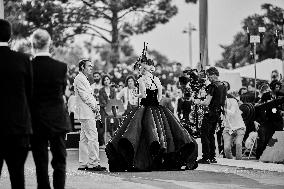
{"points": [[191, 166], [203, 161], [96, 168], [213, 160], [82, 168]]}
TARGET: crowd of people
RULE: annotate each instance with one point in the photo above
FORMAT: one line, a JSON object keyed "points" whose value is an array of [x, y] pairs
{"points": [[159, 114]]}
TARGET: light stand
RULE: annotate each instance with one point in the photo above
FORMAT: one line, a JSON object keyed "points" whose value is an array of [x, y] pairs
{"points": [[189, 30], [254, 39]]}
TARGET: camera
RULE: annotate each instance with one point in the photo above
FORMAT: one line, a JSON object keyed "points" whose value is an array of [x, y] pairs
{"points": [[192, 81]]}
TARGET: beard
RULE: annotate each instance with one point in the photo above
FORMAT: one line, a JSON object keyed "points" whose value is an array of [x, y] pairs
{"points": [[97, 81]]}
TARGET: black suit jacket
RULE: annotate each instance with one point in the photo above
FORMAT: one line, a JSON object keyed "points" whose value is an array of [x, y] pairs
{"points": [[265, 115], [16, 93], [49, 110]]}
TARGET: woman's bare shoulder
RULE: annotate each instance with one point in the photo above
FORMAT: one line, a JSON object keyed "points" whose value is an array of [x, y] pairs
{"points": [[157, 80]]}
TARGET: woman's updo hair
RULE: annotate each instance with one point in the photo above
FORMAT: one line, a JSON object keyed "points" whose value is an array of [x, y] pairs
{"points": [[140, 61], [144, 60]]}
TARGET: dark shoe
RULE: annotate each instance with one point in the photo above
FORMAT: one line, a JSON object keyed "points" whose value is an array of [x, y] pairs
{"points": [[97, 168], [192, 166], [213, 160], [82, 168], [203, 161]]}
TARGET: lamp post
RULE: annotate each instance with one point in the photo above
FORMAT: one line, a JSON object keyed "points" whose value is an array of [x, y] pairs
{"points": [[1, 9], [189, 31], [254, 39]]}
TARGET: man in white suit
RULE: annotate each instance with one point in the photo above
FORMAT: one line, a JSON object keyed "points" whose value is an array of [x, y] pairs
{"points": [[87, 110]]}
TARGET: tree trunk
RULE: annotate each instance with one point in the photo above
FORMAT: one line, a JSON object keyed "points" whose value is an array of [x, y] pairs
{"points": [[114, 57]]}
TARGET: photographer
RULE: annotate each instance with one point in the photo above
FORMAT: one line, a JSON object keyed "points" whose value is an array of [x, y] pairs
{"points": [[215, 100], [184, 109], [184, 103], [269, 118]]}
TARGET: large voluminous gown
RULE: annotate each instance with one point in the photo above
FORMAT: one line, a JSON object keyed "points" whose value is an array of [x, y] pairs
{"points": [[151, 139]]}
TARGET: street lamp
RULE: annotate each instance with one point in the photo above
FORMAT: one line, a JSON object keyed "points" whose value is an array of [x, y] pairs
{"points": [[254, 39], [189, 31]]}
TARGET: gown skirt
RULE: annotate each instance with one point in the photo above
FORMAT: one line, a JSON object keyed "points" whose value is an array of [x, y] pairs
{"points": [[150, 138]]}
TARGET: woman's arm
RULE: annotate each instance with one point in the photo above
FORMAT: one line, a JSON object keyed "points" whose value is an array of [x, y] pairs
{"points": [[159, 86]]}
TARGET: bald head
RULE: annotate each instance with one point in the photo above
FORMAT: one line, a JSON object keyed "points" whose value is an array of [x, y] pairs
{"points": [[40, 40]]}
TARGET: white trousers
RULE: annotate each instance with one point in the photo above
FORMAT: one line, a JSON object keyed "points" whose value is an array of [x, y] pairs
{"points": [[88, 144]]}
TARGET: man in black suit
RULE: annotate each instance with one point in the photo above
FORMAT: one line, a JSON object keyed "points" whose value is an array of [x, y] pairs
{"points": [[215, 100], [50, 118], [16, 87], [268, 117]]}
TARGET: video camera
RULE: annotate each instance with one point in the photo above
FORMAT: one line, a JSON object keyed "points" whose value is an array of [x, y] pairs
{"points": [[192, 81]]}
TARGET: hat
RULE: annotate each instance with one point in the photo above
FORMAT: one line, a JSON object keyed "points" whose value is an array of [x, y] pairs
{"points": [[248, 112]]}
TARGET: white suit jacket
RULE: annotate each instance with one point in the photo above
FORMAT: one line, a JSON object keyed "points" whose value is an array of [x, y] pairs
{"points": [[85, 101]]}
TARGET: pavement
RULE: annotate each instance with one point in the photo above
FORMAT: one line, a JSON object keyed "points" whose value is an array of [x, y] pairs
{"points": [[251, 164], [244, 174]]}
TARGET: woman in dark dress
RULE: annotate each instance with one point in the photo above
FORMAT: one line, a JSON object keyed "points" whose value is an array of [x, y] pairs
{"points": [[150, 137], [106, 93]]}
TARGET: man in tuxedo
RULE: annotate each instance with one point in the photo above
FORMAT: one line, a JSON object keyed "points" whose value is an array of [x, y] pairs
{"points": [[50, 117], [87, 110], [16, 128]]}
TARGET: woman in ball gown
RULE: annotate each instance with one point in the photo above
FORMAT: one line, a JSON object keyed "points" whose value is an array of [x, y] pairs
{"points": [[150, 137]]}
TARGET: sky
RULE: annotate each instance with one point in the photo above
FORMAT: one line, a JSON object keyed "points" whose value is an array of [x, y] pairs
{"points": [[224, 21]]}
